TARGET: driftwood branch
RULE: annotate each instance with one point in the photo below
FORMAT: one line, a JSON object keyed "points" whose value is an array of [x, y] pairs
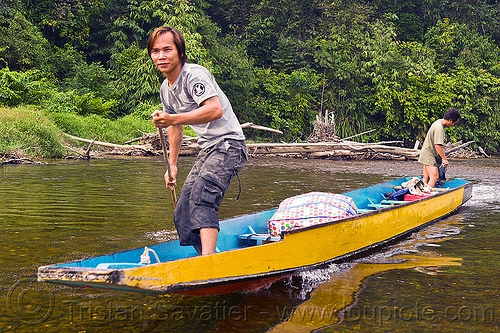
{"points": [[263, 128], [107, 144], [481, 150], [87, 153], [353, 136], [21, 160], [133, 140], [73, 150], [458, 147], [376, 143]]}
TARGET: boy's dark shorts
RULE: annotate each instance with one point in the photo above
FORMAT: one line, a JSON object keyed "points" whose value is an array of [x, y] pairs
{"points": [[204, 189]]}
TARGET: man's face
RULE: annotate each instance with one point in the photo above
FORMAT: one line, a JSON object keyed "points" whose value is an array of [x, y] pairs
{"points": [[165, 55]]}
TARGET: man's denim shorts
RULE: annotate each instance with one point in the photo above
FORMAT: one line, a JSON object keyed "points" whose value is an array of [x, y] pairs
{"points": [[204, 188]]}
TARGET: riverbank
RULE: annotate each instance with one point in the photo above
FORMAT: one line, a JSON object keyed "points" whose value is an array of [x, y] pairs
{"points": [[340, 150], [28, 136], [149, 144]]}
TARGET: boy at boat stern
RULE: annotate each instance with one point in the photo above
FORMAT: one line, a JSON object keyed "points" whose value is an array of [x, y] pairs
{"points": [[432, 155], [191, 96]]}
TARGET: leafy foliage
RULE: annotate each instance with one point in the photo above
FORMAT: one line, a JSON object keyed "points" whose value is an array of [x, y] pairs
{"points": [[236, 75], [73, 102], [28, 87], [478, 94], [22, 46], [100, 128], [351, 53], [456, 45], [285, 101]]}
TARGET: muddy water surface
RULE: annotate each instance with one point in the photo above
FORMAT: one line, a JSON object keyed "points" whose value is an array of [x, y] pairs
{"points": [[444, 278]]}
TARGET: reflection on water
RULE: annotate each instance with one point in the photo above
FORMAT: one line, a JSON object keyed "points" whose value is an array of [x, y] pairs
{"points": [[334, 290], [446, 275], [332, 301]]}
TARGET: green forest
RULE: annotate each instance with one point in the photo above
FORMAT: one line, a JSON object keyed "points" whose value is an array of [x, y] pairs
{"points": [[81, 67]]}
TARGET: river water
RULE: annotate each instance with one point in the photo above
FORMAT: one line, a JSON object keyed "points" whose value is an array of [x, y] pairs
{"points": [[445, 278]]}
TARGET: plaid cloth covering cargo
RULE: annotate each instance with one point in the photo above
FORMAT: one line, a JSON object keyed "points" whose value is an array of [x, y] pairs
{"points": [[310, 209]]}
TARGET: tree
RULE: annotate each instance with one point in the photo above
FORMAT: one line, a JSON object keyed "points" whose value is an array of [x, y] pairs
{"points": [[481, 16], [63, 21], [22, 46], [274, 24], [286, 101], [344, 54], [137, 78], [232, 16], [456, 45], [410, 18]]}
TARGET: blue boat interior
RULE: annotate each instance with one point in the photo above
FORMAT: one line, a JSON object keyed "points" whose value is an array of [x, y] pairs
{"points": [[239, 232]]}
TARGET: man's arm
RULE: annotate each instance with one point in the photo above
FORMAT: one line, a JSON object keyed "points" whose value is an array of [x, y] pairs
{"points": [[209, 110], [440, 151], [175, 135]]}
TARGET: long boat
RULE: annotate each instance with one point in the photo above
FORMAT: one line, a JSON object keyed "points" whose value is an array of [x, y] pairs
{"points": [[248, 256]]}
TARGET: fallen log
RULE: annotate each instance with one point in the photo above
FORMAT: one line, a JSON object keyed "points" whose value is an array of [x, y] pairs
{"points": [[107, 144], [335, 153], [190, 139], [449, 151], [308, 148]]}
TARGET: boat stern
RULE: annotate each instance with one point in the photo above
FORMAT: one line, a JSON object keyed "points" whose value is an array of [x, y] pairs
{"points": [[467, 192]]}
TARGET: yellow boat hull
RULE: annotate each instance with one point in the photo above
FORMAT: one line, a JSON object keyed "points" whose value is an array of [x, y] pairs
{"points": [[297, 249]]}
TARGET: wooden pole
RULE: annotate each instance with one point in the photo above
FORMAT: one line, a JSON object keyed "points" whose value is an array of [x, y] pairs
{"points": [[169, 169]]}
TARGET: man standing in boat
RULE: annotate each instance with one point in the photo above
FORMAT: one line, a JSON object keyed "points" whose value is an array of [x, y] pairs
{"points": [[191, 96], [432, 155]]}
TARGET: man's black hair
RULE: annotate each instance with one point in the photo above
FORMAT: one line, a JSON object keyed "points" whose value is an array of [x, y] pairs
{"points": [[452, 114]]}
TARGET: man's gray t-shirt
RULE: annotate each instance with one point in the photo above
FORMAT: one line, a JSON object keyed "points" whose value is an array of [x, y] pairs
{"points": [[194, 85]]}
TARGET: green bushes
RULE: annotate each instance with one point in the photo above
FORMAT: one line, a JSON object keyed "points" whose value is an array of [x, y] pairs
{"points": [[28, 130], [82, 104], [29, 87]]}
